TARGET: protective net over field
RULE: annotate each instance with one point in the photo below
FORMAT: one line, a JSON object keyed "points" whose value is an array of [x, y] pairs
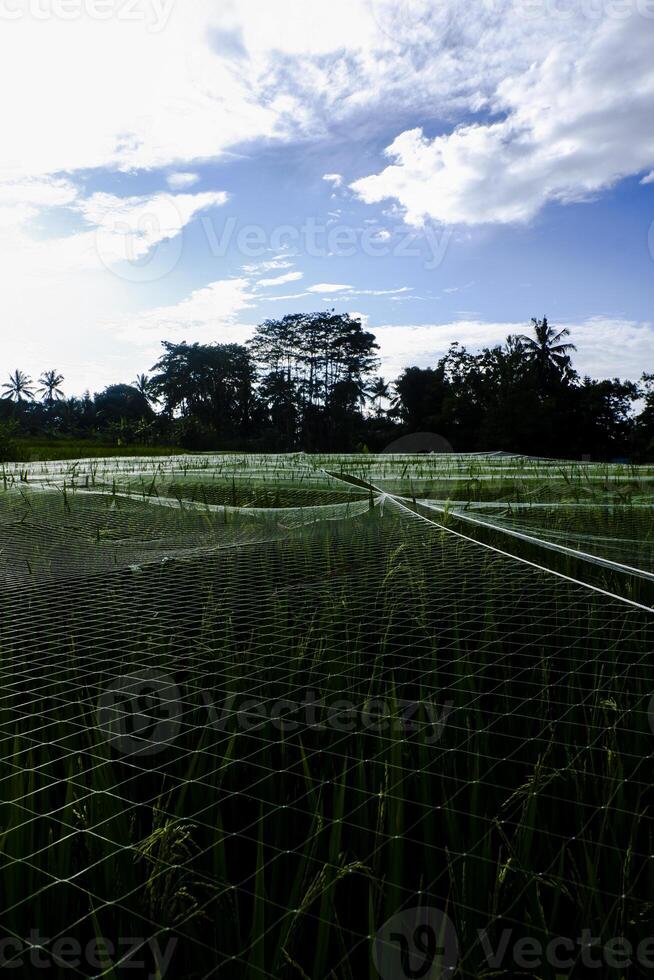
{"points": [[303, 717]]}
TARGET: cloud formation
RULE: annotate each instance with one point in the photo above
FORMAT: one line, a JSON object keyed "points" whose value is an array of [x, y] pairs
{"points": [[556, 108], [180, 181], [280, 280], [328, 287], [573, 125]]}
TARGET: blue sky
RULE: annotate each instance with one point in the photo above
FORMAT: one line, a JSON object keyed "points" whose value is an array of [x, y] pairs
{"points": [[184, 173]]}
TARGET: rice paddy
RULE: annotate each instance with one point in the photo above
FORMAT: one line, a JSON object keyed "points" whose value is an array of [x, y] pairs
{"points": [[254, 709]]}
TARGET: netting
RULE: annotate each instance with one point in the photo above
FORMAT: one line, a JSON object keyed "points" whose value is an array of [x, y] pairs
{"points": [[256, 709]]}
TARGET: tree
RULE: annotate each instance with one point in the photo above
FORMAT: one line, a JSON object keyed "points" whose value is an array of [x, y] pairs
{"points": [[315, 351], [121, 403], [50, 389], [280, 406], [213, 383], [323, 359], [144, 385], [546, 352], [378, 391], [420, 396], [600, 422], [19, 387]]}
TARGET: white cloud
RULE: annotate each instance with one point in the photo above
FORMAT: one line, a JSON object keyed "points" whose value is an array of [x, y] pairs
{"points": [[59, 291], [148, 98], [180, 181], [164, 95], [42, 192], [574, 124], [328, 287], [127, 228], [597, 339], [177, 94], [335, 179], [21, 200], [285, 298], [280, 280], [380, 292], [206, 315], [254, 268], [649, 178]]}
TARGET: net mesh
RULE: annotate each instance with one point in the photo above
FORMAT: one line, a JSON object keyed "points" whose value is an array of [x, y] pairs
{"points": [[255, 708]]}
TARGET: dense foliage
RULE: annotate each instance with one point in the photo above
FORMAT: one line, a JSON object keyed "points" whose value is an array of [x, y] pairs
{"points": [[307, 381]]}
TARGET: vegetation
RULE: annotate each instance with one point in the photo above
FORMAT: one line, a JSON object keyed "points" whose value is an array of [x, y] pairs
{"points": [[258, 794], [308, 382]]}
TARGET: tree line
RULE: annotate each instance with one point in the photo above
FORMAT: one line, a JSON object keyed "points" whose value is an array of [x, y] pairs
{"points": [[309, 381]]}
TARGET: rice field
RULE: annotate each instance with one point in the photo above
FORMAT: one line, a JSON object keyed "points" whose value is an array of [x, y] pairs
{"points": [[338, 717]]}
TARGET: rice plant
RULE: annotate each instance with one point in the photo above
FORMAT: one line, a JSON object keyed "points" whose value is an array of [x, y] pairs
{"points": [[256, 708]]}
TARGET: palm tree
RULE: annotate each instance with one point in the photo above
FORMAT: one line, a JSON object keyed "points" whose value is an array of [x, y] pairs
{"points": [[547, 352], [515, 344], [50, 389], [143, 384], [378, 390], [18, 387]]}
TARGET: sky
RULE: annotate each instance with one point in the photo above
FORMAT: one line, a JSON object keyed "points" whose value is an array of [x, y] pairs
{"points": [[184, 170]]}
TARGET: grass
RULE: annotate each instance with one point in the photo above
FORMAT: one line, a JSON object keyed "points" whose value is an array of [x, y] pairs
{"points": [[32, 449], [519, 799]]}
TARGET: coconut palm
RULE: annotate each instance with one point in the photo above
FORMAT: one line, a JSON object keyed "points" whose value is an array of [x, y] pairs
{"points": [[378, 391], [143, 384], [515, 344], [546, 351], [50, 389], [19, 387]]}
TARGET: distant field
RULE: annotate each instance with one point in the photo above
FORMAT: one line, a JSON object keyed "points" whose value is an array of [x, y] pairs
{"points": [[38, 449], [254, 708]]}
